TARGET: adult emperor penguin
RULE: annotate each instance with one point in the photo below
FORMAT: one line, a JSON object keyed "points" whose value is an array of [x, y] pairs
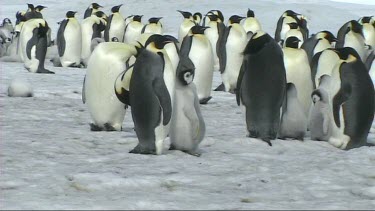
{"points": [[318, 42], [230, 54], [33, 45], [150, 97], [69, 41], [154, 26], [187, 124], [91, 28], [258, 75], [185, 26], [198, 48], [368, 29], [94, 7], [251, 23], [298, 71], [212, 33], [293, 123], [351, 35], [115, 26], [133, 29], [106, 111]]}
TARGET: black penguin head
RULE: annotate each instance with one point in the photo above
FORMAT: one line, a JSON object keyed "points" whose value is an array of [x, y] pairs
{"points": [[197, 16], [316, 95], [257, 42], [116, 8], [250, 13], [70, 14], [185, 70], [329, 36], [218, 13], [186, 15], [235, 19], [347, 53], [290, 13], [101, 14], [159, 41], [366, 19], [6, 21], [95, 6], [293, 25], [213, 17], [20, 17], [137, 18], [356, 27], [154, 20], [39, 8], [31, 7], [114, 39], [292, 42], [197, 29]]}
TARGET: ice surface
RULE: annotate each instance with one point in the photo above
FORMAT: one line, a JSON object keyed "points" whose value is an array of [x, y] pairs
{"points": [[49, 159]]}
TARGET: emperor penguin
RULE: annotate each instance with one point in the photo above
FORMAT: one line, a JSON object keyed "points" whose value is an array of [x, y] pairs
{"points": [[323, 63], [115, 26], [353, 100], [129, 19], [230, 55], [91, 28], [298, 71], [105, 64], [251, 24], [212, 33], [187, 124], [368, 30], [150, 98], [94, 7], [293, 123], [318, 42], [351, 35], [219, 14], [197, 18], [133, 29], [258, 75], [294, 31], [69, 41], [33, 45], [289, 16], [154, 26], [185, 26], [34, 12], [198, 48]]}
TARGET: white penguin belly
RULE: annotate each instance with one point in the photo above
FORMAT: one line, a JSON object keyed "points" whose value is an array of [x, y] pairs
{"points": [[213, 35], [184, 29], [154, 29], [327, 62], [369, 34], [117, 28], [321, 46], [86, 40], [356, 42], [73, 44], [133, 31]]}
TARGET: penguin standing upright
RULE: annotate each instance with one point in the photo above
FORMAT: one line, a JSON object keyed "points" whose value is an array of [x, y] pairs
{"points": [[298, 71], [230, 55], [185, 26], [69, 41], [261, 86], [317, 43], [115, 26], [133, 29], [212, 33], [198, 48], [154, 26], [150, 98], [33, 45], [368, 29], [187, 124], [251, 24], [93, 8]]}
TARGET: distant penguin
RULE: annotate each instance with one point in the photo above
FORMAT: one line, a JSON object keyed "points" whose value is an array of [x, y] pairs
{"points": [[353, 99], [318, 42], [368, 29], [198, 48], [150, 99], [94, 7], [351, 35], [154, 26], [91, 28], [106, 111], [115, 26], [187, 123], [293, 123], [133, 29], [251, 24], [69, 41], [294, 31], [212, 33], [323, 63], [258, 75], [185, 26], [298, 71], [320, 119], [33, 45], [197, 18], [232, 45]]}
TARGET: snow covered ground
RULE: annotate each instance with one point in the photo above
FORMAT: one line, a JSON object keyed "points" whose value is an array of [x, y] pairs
{"points": [[49, 159]]}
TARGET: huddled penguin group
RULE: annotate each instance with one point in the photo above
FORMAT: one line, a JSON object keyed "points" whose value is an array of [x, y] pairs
{"points": [[290, 86]]}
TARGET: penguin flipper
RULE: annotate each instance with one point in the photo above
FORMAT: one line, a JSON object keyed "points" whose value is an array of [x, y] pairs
{"points": [[185, 46], [341, 35], [164, 98], [121, 84], [202, 125], [106, 30], [314, 68], [32, 42], [60, 37], [341, 97], [87, 13], [220, 47], [278, 29], [239, 80], [83, 91]]}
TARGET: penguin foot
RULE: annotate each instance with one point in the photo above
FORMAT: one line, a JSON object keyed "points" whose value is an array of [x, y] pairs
{"points": [[94, 127], [109, 127], [142, 150], [205, 100], [45, 71], [267, 140], [221, 87]]}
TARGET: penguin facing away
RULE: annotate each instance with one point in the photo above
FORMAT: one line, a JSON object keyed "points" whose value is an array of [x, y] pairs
{"points": [[115, 27], [250, 23], [258, 75], [187, 124]]}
